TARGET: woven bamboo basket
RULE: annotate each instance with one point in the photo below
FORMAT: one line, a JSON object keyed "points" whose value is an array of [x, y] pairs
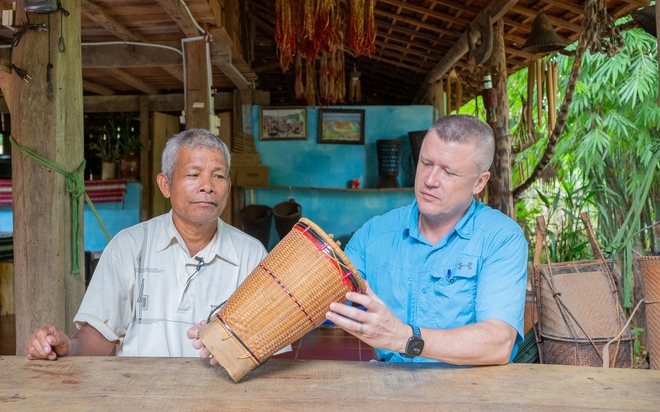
{"points": [[283, 298], [579, 310], [650, 267]]}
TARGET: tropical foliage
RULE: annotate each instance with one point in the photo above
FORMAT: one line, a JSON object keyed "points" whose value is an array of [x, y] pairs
{"points": [[606, 161]]}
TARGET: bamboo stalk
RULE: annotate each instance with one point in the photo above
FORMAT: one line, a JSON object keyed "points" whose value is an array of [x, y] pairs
{"points": [[448, 95], [555, 75], [459, 95], [548, 92], [531, 70], [539, 92]]}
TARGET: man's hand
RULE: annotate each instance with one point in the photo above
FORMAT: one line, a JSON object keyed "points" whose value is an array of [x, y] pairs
{"points": [[48, 342], [193, 333], [377, 327]]}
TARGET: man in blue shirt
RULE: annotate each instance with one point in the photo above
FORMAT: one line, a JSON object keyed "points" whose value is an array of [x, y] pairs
{"points": [[446, 275]]}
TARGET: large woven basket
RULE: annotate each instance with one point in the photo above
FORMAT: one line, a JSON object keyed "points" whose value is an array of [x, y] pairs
{"points": [[283, 298], [650, 268], [579, 311]]}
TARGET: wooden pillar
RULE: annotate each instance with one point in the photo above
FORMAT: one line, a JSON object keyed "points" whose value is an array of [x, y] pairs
{"points": [[45, 288], [199, 105], [499, 186], [145, 160]]}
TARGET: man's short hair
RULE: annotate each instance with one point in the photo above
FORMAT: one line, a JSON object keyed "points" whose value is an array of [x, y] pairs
{"points": [[190, 138], [466, 129]]}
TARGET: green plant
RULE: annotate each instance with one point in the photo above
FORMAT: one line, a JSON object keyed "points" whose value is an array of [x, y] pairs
{"points": [[639, 351], [116, 137], [128, 135], [106, 146]]}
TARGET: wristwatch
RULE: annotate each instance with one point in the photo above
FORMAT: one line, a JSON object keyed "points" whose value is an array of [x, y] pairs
{"points": [[415, 344]]}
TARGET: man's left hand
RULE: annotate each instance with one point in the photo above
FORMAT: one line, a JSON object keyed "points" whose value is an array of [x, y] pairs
{"points": [[193, 333]]}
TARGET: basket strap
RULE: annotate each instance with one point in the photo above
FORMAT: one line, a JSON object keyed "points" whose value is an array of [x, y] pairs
{"points": [[598, 254], [536, 296]]}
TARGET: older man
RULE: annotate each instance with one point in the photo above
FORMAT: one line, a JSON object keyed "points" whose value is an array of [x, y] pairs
{"points": [[156, 280], [447, 274]]}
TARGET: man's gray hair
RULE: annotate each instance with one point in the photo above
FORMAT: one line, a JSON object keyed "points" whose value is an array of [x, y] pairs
{"points": [[466, 129], [190, 138]]}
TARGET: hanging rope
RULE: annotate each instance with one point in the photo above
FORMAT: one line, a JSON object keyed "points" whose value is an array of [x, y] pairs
{"points": [[76, 186]]}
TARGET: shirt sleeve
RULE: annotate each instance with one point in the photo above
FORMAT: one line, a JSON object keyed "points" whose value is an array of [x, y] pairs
{"points": [[107, 305], [502, 282], [354, 251]]}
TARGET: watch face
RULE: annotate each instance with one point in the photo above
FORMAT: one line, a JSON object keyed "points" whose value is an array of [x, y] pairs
{"points": [[414, 346]]}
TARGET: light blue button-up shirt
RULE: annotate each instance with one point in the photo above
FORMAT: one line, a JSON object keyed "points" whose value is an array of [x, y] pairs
{"points": [[477, 272]]}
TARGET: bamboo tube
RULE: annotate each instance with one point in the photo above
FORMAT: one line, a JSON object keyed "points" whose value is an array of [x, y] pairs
{"points": [[459, 95], [539, 92], [551, 87], [548, 92], [448, 95], [531, 70], [555, 75]]}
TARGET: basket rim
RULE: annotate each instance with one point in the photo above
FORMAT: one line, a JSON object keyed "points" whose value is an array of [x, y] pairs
{"points": [[336, 249]]}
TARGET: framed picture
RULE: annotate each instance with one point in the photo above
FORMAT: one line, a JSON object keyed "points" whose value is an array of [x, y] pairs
{"points": [[341, 126], [283, 123]]}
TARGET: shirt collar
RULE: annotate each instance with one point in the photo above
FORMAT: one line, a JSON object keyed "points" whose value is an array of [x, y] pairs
{"points": [[463, 228], [221, 245]]}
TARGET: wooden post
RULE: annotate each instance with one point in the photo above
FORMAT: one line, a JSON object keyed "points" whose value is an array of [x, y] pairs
{"points": [[45, 288], [145, 157], [199, 105], [499, 185]]}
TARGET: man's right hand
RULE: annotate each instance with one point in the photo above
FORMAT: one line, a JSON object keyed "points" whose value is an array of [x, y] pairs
{"points": [[48, 342]]}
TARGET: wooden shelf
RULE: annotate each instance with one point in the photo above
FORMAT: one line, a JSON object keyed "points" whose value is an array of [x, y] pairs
{"points": [[334, 189]]}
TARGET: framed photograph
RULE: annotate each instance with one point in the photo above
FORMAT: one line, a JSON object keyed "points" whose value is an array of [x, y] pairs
{"points": [[283, 123], [341, 126]]}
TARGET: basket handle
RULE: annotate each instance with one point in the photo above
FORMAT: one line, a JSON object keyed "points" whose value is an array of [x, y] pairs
{"points": [[598, 254], [536, 298]]}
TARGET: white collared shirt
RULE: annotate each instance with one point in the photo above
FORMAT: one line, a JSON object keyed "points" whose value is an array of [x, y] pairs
{"points": [[174, 296]]}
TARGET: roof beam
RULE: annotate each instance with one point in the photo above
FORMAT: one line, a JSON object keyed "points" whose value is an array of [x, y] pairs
{"points": [[497, 9], [131, 80], [96, 13], [175, 10], [95, 88]]}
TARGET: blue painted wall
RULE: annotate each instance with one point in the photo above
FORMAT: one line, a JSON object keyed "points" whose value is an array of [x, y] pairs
{"points": [[115, 216], [304, 164]]}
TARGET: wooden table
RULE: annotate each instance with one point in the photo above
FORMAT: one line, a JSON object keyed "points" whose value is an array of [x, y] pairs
{"points": [[174, 384]]}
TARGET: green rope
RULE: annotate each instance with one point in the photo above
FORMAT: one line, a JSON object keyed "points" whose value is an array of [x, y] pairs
{"points": [[76, 186]]}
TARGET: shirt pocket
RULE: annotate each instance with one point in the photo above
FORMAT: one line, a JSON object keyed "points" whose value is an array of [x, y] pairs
{"points": [[458, 282]]}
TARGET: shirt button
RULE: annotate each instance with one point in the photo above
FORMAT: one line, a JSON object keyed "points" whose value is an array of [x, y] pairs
{"points": [[424, 290]]}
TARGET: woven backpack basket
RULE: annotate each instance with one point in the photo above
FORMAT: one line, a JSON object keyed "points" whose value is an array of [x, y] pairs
{"points": [[578, 309]]}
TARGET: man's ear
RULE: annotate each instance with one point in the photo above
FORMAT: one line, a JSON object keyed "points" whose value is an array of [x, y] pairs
{"points": [[481, 183], [163, 185]]}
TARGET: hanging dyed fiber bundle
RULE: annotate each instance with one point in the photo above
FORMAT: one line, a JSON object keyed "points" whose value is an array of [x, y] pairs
{"points": [[361, 27], [308, 39], [299, 86], [369, 39], [334, 76], [324, 80], [340, 76], [285, 31], [328, 25], [310, 87]]}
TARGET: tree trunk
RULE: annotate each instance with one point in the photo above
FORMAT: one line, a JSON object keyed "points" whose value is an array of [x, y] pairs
{"points": [[499, 185]]}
